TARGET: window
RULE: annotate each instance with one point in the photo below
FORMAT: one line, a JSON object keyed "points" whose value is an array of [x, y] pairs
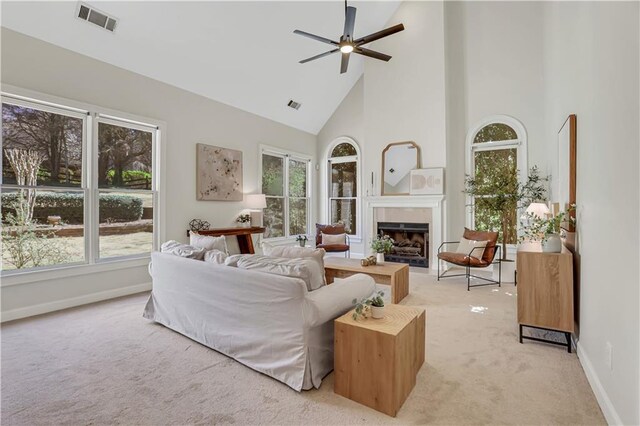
{"points": [[62, 207], [285, 183], [343, 185], [496, 156]]}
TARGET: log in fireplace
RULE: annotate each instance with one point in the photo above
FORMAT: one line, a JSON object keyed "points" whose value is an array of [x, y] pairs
{"points": [[411, 242]]}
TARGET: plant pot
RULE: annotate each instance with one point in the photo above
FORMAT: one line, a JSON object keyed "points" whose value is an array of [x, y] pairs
{"points": [[380, 258], [301, 243], [377, 312], [245, 224], [553, 244], [508, 271]]}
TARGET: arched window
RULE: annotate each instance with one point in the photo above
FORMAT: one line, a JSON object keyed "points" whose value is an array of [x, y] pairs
{"points": [[496, 155], [343, 184]]}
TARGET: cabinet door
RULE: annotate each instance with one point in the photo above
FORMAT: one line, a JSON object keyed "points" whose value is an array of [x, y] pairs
{"points": [[545, 290]]}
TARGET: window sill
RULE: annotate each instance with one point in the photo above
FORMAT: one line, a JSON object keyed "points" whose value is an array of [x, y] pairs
{"points": [[11, 278]]}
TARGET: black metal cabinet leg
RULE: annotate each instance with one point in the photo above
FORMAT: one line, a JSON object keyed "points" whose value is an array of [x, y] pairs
{"points": [[520, 333], [568, 337]]}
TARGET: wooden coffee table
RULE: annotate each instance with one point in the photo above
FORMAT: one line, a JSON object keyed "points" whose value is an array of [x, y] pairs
{"points": [[395, 275], [376, 360]]}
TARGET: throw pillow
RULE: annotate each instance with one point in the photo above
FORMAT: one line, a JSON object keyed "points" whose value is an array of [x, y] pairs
{"points": [[208, 242], [233, 259], [331, 239], [466, 246], [305, 269], [215, 256], [182, 250], [293, 252]]}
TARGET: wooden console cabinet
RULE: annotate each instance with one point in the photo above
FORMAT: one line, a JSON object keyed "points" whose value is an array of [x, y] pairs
{"points": [[545, 291]]}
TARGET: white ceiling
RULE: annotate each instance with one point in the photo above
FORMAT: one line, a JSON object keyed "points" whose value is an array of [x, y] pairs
{"points": [[243, 54]]}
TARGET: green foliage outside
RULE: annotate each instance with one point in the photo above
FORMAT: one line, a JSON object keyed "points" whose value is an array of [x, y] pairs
{"points": [[138, 178], [273, 186]]}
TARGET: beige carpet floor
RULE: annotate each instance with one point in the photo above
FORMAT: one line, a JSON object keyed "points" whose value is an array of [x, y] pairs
{"points": [[105, 364]]}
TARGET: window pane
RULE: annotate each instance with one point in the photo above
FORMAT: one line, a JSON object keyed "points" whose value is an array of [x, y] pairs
{"points": [[40, 148], [297, 178], [274, 218], [297, 216], [344, 180], [124, 157], [496, 170], [344, 211], [343, 150], [272, 175], [126, 224], [41, 228], [495, 132]]}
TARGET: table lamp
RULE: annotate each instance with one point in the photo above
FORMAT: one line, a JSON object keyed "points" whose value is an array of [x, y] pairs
{"points": [[256, 202], [538, 209]]}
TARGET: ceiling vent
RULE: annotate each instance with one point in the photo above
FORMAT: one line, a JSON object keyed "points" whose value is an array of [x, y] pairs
{"points": [[293, 104], [90, 14]]}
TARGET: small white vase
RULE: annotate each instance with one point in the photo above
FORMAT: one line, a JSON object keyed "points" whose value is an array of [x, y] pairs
{"points": [[377, 312], [553, 244], [380, 258]]}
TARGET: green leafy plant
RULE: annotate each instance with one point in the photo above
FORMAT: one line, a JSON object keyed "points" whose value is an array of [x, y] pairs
{"points": [[302, 239], [497, 196], [362, 307], [541, 228], [382, 244], [244, 218]]}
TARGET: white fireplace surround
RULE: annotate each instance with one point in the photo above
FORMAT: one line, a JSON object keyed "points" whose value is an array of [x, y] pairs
{"points": [[435, 202]]}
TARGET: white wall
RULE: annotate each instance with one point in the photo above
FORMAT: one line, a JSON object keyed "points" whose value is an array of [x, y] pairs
{"points": [[591, 70], [494, 57], [191, 119]]}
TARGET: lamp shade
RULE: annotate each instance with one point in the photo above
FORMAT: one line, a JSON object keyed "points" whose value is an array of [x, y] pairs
{"points": [[538, 209], [256, 201]]}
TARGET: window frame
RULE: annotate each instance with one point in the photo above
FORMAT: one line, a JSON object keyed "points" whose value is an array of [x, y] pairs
{"points": [[89, 186], [287, 155], [520, 143], [357, 236]]}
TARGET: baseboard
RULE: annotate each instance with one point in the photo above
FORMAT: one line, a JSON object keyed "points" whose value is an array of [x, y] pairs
{"points": [[609, 411], [57, 305]]}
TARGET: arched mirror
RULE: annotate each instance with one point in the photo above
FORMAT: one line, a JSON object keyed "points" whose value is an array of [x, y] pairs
{"points": [[398, 159]]}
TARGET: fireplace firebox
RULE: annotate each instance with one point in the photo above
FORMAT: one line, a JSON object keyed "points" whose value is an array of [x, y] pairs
{"points": [[411, 242]]}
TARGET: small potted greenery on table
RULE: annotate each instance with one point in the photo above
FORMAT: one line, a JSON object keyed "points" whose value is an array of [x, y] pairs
{"points": [[302, 240], [244, 220], [381, 245], [547, 229], [373, 305]]}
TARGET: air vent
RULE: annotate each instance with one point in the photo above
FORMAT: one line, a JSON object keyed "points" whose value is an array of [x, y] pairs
{"points": [[89, 14], [293, 104]]}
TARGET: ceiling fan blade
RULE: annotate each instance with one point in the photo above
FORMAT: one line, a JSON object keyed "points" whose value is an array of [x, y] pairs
{"points": [[349, 23], [322, 55], [344, 64], [379, 35], [315, 37], [371, 54]]}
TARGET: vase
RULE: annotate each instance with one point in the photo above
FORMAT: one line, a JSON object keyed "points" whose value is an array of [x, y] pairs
{"points": [[245, 224], [377, 312], [379, 258], [553, 244], [301, 243]]}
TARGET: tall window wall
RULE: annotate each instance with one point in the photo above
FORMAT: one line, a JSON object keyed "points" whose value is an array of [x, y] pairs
{"points": [[343, 184], [78, 187]]}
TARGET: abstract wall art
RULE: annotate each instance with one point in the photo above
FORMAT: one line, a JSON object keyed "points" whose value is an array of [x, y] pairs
{"points": [[218, 173]]}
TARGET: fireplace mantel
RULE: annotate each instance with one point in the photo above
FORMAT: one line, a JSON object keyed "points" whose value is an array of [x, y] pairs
{"points": [[434, 202]]}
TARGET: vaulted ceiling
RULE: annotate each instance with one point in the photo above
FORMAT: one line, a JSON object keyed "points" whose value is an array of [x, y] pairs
{"points": [[243, 54]]}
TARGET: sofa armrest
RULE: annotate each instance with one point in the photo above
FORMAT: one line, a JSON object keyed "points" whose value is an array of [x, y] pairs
{"points": [[331, 301]]}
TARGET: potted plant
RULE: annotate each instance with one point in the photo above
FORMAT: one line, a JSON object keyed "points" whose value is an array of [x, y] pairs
{"points": [[497, 195], [547, 229], [244, 220], [380, 245], [302, 240], [373, 305]]}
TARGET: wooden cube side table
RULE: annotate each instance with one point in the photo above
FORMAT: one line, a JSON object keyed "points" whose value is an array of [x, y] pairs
{"points": [[376, 360]]}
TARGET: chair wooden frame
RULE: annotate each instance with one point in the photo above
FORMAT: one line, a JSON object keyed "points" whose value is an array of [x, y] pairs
{"points": [[467, 265]]}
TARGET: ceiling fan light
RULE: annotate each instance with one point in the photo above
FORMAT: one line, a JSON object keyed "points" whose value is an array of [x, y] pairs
{"points": [[346, 48]]}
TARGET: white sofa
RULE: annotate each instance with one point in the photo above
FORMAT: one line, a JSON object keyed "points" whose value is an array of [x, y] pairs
{"points": [[267, 322]]}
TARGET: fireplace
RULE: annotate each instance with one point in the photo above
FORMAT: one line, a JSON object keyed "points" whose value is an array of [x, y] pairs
{"points": [[411, 242]]}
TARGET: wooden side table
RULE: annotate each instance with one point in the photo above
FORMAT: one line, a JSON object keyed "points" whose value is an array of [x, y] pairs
{"points": [[395, 275], [243, 235], [376, 360]]}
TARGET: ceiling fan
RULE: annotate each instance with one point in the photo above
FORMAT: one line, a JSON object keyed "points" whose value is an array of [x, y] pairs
{"points": [[348, 45]]}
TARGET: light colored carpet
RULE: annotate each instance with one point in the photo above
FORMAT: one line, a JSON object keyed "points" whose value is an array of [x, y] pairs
{"points": [[105, 364]]}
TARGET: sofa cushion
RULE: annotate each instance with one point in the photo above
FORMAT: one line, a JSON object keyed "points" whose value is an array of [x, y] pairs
{"points": [[305, 269], [208, 242], [294, 252], [462, 259], [215, 256], [233, 259], [182, 250], [491, 237]]}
